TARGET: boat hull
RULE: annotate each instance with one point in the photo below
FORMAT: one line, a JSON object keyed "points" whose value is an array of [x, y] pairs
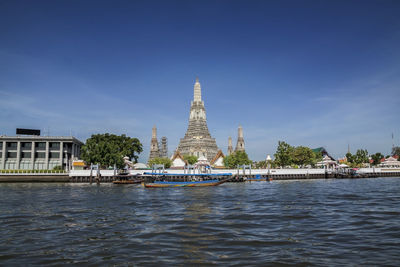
{"points": [[162, 184], [126, 182]]}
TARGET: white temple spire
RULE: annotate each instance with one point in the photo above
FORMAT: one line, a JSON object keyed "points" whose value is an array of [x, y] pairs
{"points": [[197, 91]]}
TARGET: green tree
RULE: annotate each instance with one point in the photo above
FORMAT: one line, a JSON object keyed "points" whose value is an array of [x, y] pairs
{"points": [[262, 164], [237, 158], [283, 155], [166, 161], [191, 159], [109, 149], [318, 158], [377, 158], [302, 156], [361, 156]]}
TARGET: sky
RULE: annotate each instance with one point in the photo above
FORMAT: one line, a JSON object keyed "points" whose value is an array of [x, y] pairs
{"points": [[311, 73]]}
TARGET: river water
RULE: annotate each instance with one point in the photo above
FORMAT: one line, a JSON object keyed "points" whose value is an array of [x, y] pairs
{"points": [[314, 222]]}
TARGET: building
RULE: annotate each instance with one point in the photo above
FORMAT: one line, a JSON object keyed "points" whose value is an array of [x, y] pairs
{"points": [[197, 140], [230, 147], [323, 152], [240, 140], [163, 145], [218, 160], [154, 150], [390, 162], [178, 162], [38, 152]]}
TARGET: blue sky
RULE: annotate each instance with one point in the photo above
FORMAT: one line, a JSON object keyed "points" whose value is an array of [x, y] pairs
{"points": [[312, 73]]}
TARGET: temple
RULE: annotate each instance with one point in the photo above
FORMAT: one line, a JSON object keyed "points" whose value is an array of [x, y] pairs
{"points": [[197, 140]]}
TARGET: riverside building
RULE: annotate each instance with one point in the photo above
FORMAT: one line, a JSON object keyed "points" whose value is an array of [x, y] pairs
{"points": [[38, 152]]}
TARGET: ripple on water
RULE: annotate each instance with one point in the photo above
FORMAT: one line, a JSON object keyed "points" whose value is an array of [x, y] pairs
{"points": [[318, 222]]}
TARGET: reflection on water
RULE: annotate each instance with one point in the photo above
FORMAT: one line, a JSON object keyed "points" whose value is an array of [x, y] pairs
{"points": [[314, 222]]}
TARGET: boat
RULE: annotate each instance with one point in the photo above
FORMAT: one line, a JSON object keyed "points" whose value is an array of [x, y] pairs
{"points": [[127, 181], [258, 178], [127, 178], [162, 180]]}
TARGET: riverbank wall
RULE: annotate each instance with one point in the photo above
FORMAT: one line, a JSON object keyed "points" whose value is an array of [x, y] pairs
{"points": [[85, 176]]}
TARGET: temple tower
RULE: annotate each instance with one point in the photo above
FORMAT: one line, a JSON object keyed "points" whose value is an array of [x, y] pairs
{"points": [[154, 151], [240, 140], [163, 145], [230, 147], [197, 140]]}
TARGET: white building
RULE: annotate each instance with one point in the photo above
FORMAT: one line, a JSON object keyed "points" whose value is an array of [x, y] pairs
{"points": [[390, 162], [38, 152]]}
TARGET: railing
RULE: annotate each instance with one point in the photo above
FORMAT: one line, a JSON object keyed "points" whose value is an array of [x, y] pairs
{"points": [[33, 172]]}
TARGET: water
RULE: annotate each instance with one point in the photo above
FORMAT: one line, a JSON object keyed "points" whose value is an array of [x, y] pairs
{"points": [[315, 222]]}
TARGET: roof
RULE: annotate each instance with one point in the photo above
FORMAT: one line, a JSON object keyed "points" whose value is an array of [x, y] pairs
{"points": [[178, 155], [322, 150], [140, 165], [318, 149], [38, 138], [219, 154]]}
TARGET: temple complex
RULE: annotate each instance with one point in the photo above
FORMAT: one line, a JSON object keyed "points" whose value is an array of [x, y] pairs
{"points": [[197, 140]]}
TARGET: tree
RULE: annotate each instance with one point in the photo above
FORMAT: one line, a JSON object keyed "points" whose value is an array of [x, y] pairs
{"points": [[377, 158], [361, 156], [318, 157], [357, 159], [350, 158], [396, 151], [109, 149], [283, 155], [302, 156], [237, 158], [165, 161], [262, 164], [191, 159]]}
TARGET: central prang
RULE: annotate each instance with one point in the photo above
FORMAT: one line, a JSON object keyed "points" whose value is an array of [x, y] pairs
{"points": [[197, 140]]}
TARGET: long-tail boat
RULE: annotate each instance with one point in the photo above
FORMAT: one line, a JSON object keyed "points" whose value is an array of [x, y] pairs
{"points": [[258, 178], [126, 178], [160, 180]]}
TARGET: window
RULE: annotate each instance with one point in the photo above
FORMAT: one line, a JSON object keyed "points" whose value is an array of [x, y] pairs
{"points": [[26, 155], [12, 145], [54, 155], [26, 145], [1, 145], [40, 155], [40, 145], [12, 155], [54, 145]]}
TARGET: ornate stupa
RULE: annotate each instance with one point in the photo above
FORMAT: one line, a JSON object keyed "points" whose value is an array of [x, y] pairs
{"points": [[240, 140], [197, 140], [230, 147], [154, 150]]}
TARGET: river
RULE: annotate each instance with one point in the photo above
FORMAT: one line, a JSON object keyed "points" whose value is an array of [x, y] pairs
{"points": [[313, 222]]}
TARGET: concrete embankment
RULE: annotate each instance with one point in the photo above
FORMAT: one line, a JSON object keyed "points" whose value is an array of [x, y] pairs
{"points": [[30, 178], [85, 176]]}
